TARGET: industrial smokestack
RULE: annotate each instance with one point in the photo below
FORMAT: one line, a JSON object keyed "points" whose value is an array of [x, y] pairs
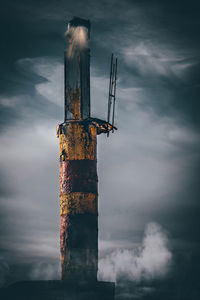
{"points": [[78, 183], [78, 162], [78, 174]]}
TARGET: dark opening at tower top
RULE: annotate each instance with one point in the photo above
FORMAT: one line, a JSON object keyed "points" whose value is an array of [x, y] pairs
{"points": [[76, 22]]}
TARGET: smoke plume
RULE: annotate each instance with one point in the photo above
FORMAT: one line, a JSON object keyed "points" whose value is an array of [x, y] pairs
{"points": [[44, 271], [77, 38], [151, 260]]}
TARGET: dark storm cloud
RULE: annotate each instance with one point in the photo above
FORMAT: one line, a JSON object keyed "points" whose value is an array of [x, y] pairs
{"points": [[148, 170], [163, 34], [22, 103]]}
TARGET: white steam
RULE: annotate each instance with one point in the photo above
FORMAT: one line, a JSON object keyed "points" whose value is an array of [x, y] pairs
{"points": [[150, 261], [45, 271], [78, 38]]}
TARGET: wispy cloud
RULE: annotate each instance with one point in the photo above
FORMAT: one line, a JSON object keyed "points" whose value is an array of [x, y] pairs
{"points": [[144, 156], [44, 271], [150, 59], [52, 73]]}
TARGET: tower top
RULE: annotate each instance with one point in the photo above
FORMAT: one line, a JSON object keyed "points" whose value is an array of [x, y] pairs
{"points": [[78, 22]]}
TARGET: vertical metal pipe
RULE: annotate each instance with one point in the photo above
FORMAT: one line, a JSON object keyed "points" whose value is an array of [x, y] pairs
{"points": [[115, 83]]}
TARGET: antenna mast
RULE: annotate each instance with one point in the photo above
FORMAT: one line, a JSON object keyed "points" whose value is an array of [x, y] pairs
{"points": [[112, 91]]}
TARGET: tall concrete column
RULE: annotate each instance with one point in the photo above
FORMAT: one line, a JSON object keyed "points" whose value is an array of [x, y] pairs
{"points": [[78, 201], [78, 162], [78, 174]]}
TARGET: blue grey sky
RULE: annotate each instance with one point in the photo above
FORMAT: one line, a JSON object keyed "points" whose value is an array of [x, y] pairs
{"points": [[148, 170]]}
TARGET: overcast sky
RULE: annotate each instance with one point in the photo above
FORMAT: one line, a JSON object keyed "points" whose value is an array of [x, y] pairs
{"points": [[148, 170]]}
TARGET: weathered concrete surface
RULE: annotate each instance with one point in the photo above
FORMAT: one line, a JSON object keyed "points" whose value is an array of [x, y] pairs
{"points": [[77, 84], [79, 246], [75, 235], [78, 200], [77, 141], [78, 176], [78, 165]]}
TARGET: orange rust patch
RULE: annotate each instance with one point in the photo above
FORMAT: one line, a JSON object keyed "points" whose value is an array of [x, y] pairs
{"points": [[75, 103]]}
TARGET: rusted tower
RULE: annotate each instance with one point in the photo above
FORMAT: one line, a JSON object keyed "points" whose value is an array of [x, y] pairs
{"points": [[78, 160], [78, 183]]}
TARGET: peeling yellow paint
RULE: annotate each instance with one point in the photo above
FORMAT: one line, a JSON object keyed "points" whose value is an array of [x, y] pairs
{"points": [[78, 203], [78, 142]]}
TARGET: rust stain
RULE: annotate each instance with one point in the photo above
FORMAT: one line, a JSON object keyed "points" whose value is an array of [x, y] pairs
{"points": [[75, 102], [78, 203], [79, 142]]}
